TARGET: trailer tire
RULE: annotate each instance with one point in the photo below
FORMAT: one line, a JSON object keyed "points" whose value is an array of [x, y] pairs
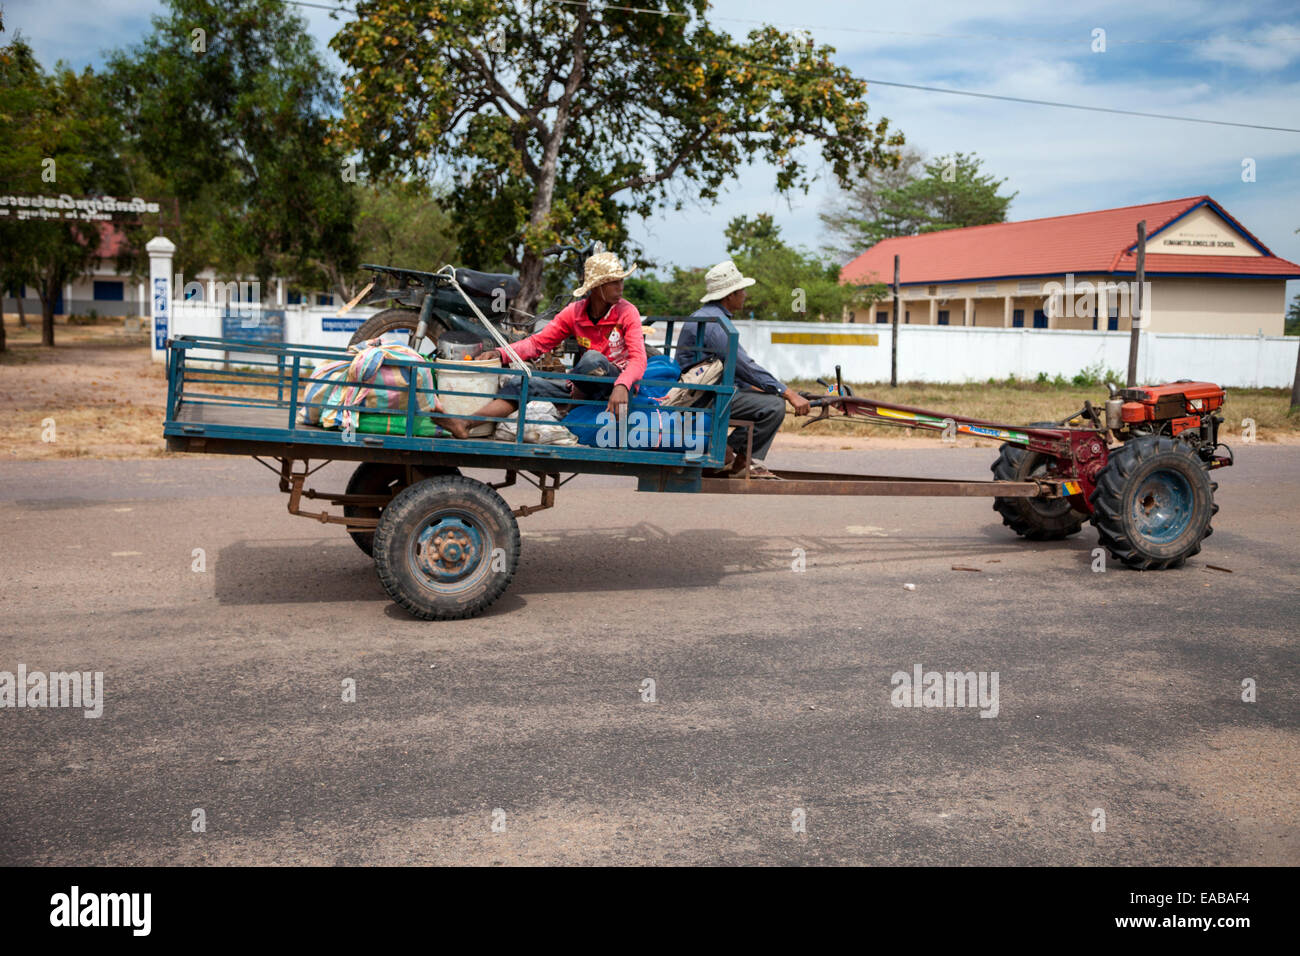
{"points": [[1038, 519], [446, 547], [1153, 503], [378, 478], [393, 320]]}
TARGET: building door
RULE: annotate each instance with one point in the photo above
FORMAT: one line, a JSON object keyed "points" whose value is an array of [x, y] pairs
{"points": [[1040, 319], [1018, 318], [943, 316]]}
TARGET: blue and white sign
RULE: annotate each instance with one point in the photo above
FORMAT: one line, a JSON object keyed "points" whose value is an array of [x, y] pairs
{"points": [[340, 323], [161, 311]]}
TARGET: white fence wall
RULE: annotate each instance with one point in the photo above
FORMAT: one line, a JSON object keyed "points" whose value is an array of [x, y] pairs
{"points": [[967, 354], [925, 353]]}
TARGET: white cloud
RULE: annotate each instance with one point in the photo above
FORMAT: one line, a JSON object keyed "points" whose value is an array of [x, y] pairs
{"points": [[1266, 49]]}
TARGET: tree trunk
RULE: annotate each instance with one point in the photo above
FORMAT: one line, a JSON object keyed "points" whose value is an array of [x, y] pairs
{"points": [[530, 280], [22, 311], [49, 292], [530, 270], [2, 325]]}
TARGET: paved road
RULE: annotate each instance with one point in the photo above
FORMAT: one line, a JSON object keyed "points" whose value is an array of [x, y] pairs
{"points": [[1118, 691]]}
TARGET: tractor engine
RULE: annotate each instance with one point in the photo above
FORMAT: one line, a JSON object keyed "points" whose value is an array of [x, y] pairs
{"points": [[1184, 410]]}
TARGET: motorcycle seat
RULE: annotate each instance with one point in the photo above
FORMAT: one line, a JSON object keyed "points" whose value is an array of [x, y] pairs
{"points": [[483, 284]]}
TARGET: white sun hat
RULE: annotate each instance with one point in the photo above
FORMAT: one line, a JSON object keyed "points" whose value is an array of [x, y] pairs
{"points": [[722, 280]]}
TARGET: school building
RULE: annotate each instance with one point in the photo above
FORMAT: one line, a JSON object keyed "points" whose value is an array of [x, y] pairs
{"points": [[1205, 273]]}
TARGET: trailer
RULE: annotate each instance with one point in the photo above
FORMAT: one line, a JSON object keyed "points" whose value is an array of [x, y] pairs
{"points": [[446, 545]]}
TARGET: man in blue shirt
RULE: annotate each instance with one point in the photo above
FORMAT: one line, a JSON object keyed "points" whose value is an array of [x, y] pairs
{"points": [[760, 398]]}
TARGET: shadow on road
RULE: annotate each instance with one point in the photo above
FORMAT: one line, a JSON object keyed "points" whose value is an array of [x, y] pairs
{"points": [[637, 557]]}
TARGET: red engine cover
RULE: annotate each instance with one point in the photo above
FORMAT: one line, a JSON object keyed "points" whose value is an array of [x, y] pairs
{"points": [[1173, 400]]}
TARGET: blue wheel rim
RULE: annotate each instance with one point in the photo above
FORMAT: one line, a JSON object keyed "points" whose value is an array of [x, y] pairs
{"points": [[1162, 506], [450, 552]]}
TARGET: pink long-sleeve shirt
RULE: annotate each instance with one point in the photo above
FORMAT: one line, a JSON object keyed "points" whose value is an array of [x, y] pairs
{"points": [[617, 336]]}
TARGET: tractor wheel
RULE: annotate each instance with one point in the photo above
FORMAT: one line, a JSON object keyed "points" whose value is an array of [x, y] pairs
{"points": [[399, 320], [446, 547], [1153, 503], [1038, 519], [377, 478]]}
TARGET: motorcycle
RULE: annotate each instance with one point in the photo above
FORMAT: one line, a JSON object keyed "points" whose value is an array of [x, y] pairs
{"points": [[429, 305]]}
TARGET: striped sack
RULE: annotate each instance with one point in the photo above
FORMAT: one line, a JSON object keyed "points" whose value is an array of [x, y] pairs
{"points": [[356, 390]]}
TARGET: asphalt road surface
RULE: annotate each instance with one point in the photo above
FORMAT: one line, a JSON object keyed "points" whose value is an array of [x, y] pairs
{"points": [[522, 736]]}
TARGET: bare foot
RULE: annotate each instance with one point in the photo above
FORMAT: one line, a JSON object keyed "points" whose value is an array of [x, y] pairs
{"points": [[457, 427]]}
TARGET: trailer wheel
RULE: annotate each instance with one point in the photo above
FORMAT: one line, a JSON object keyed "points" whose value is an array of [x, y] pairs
{"points": [[1038, 519], [446, 547], [399, 320], [371, 478], [378, 478], [1153, 503]]}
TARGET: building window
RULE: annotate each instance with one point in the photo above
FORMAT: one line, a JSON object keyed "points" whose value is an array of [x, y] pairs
{"points": [[907, 318], [108, 291], [943, 316], [882, 318], [324, 298], [1017, 318], [294, 298], [1040, 319]]}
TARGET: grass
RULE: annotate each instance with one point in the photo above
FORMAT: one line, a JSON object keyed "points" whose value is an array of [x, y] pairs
{"points": [[1019, 403]]}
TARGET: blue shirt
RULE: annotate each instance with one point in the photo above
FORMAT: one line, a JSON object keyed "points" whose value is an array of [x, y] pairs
{"points": [[748, 372]]}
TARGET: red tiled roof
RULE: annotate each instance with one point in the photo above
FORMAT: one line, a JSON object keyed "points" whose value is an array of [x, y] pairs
{"points": [[1088, 242]]}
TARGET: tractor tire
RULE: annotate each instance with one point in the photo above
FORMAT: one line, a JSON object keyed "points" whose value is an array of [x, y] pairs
{"points": [[446, 548], [399, 320], [1038, 519], [1153, 503]]}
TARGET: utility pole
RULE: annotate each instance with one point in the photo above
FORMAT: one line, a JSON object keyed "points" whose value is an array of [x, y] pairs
{"points": [[893, 339], [1139, 276], [1295, 386]]}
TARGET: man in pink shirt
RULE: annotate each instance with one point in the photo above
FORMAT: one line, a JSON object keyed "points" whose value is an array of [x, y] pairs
{"points": [[605, 324]]}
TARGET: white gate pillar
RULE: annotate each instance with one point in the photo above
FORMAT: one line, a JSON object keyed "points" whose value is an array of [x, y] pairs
{"points": [[160, 249]]}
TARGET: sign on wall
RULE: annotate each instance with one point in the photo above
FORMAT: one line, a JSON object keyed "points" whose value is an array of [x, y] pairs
{"points": [[249, 325], [81, 208]]}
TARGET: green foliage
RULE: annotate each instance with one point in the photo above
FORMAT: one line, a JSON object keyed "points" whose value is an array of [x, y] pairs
{"points": [[238, 131], [788, 278], [1292, 326], [59, 136], [952, 193], [652, 296], [852, 215], [1097, 374], [553, 123]]}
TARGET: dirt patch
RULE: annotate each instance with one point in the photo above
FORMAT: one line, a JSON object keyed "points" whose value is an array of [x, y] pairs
{"points": [[95, 394]]}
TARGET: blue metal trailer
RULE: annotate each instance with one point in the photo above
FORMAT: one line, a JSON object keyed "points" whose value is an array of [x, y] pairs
{"points": [[446, 545]]}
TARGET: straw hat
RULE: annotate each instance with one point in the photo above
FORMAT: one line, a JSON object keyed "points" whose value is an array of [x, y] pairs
{"points": [[722, 280], [601, 268]]}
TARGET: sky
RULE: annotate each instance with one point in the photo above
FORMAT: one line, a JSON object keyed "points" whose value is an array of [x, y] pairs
{"points": [[1238, 62]]}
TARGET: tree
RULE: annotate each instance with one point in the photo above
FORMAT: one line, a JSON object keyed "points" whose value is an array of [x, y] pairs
{"points": [[1292, 326], [854, 211], [59, 137], [553, 121], [952, 193], [792, 284], [404, 224], [228, 100]]}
